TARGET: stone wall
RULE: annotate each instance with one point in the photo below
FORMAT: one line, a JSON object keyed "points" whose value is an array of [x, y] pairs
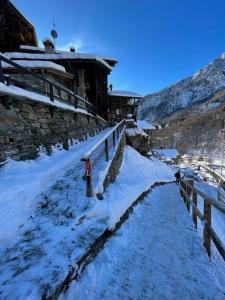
{"points": [[25, 126], [116, 163], [139, 140]]}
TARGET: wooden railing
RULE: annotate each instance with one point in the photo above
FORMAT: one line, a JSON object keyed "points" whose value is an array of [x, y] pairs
{"points": [[215, 174], [190, 196], [52, 90], [113, 134]]}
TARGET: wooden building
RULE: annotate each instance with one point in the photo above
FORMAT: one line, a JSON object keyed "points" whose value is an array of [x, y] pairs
{"points": [[123, 105], [83, 74], [47, 69], [15, 29], [89, 72]]}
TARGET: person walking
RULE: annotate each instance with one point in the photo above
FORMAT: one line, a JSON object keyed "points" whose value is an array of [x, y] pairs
{"points": [[177, 176]]}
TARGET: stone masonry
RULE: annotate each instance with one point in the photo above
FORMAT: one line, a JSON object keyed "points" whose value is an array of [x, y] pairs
{"points": [[27, 126]]}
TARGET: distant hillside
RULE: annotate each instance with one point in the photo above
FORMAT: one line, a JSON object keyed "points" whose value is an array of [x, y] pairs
{"points": [[185, 93], [197, 129]]}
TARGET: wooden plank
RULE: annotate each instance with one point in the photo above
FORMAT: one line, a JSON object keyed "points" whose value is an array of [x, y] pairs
{"points": [[106, 150], [218, 243], [206, 234], [215, 203], [195, 202], [114, 139]]}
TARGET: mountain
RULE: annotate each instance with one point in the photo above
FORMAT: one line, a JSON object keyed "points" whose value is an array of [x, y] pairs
{"points": [[196, 89]]}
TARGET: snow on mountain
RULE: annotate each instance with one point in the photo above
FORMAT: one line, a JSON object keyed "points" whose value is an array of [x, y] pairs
{"points": [[186, 92]]}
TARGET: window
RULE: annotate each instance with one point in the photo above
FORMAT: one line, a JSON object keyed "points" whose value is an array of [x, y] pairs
{"points": [[118, 111]]}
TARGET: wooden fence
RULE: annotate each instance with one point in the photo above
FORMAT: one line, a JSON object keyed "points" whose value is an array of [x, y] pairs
{"points": [[53, 90], [190, 196], [114, 134]]}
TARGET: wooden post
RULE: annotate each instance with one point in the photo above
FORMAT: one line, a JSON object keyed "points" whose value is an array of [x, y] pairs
{"points": [[182, 186], [1, 72], [75, 102], [106, 150], [114, 139], [117, 131], [51, 92], [194, 215], [206, 235], [189, 191], [89, 183]]}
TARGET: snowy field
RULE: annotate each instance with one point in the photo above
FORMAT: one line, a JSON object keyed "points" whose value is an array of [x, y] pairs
{"points": [[51, 223], [156, 254]]}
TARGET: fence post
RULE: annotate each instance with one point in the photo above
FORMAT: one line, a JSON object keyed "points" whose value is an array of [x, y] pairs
{"points": [[117, 131], [194, 215], [51, 92], [106, 150], [76, 102], [207, 217], [1, 72], [114, 139], [181, 186], [88, 175], [189, 191]]}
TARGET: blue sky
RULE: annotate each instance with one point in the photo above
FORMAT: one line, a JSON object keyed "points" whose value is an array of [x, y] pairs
{"points": [[157, 42]]}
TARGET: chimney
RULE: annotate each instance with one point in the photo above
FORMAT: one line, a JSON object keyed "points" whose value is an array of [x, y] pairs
{"points": [[49, 46], [110, 87], [72, 49]]}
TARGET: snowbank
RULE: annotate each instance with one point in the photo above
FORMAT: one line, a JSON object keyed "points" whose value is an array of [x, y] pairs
{"points": [[137, 174], [135, 131]]}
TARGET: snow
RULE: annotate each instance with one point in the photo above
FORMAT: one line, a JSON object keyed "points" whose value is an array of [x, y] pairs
{"points": [[210, 106], [120, 93], [144, 124], [31, 48], [48, 40], [137, 174], [35, 64], [19, 92], [22, 181], [62, 223], [192, 90], [156, 254], [135, 131], [168, 153], [56, 56]]}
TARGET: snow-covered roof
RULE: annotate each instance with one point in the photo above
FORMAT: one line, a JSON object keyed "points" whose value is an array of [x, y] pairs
{"points": [[32, 48], [35, 64], [56, 56], [120, 93]]}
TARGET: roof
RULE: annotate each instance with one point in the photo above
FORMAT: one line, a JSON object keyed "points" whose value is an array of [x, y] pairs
{"points": [[35, 64], [127, 94], [25, 19], [58, 56], [32, 48]]}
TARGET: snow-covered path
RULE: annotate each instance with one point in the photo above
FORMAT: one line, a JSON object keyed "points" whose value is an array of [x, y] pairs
{"points": [[156, 254]]}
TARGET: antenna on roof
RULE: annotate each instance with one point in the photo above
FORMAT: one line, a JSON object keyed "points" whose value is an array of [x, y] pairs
{"points": [[54, 33]]}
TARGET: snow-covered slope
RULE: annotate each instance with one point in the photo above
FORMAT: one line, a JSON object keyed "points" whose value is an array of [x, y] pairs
{"points": [[186, 92]]}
